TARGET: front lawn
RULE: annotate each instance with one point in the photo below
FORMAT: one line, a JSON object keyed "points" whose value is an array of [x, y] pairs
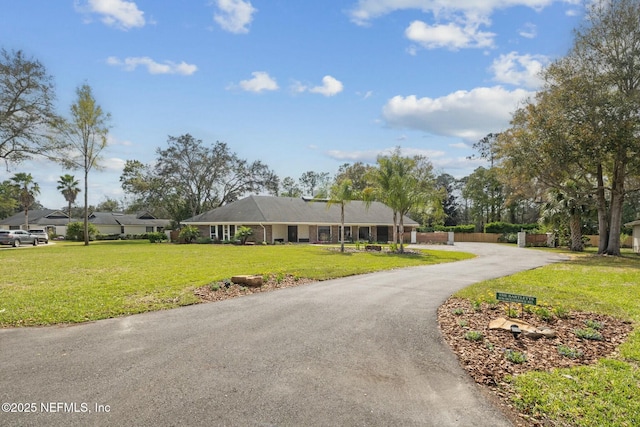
{"points": [[604, 394], [68, 282]]}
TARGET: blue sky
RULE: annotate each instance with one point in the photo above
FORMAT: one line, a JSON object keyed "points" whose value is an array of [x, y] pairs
{"points": [[299, 85]]}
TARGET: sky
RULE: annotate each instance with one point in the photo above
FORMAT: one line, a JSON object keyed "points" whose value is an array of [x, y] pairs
{"points": [[299, 85]]}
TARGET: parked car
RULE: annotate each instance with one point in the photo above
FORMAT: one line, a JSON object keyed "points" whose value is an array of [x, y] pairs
{"points": [[43, 236], [16, 238]]}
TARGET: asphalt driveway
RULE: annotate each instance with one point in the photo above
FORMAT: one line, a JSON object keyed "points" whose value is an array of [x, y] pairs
{"points": [[357, 351]]}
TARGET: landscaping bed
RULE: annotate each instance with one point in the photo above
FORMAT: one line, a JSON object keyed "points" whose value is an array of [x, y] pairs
{"points": [[485, 353]]}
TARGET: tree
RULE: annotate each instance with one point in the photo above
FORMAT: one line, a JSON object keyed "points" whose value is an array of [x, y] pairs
{"points": [[8, 200], [483, 189], [314, 183], [68, 186], [342, 193], [108, 205], [26, 107], [190, 177], [404, 184], [290, 188], [27, 189], [85, 136], [357, 172]]}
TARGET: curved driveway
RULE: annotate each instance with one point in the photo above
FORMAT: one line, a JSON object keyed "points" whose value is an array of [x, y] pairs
{"points": [[357, 351]]}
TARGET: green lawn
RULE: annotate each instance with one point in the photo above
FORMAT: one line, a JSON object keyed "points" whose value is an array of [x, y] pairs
{"points": [[68, 282], [608, 393]]}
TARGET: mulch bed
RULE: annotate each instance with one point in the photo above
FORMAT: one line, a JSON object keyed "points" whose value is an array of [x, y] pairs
{"points": [[226, 289], [485, 360]]}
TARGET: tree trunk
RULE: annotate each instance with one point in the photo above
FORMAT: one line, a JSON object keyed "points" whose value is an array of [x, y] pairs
{"points": [[575, 227], [395, 227], [617, 200], [342, 227], [401, 234], [603, 222], [86, 207]]}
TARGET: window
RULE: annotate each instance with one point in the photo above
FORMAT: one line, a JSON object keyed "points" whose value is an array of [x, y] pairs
{"points": [[364, 233], [324, 233], [347, 233], [122, 229], [149, 229], [222, 232]]}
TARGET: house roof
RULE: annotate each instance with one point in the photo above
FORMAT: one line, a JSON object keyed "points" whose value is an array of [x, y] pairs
{"points": [[46, 217], [632, 223], [39, 217], [291, 210]]}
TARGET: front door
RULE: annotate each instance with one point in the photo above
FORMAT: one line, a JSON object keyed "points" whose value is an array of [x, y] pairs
{"points": [[383, 233], [292, 233]]}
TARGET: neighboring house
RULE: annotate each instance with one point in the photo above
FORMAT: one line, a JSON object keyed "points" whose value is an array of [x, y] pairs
{"points": [[289, 219], [636, 235], [54, 221], [111, 223], [106, 222]]}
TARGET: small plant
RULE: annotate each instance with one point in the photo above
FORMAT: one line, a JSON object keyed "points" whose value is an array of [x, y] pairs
{"points": [[511, 312], [571, 353], [463, 323], [473, 336], [588, 334], [544, 314], [227, 283], [477, 306], [242, 234], [561, 312], [214, 287], [515, 356], [593, 324], [279, 278], [458, 311], [393, 247], [489, 345]]}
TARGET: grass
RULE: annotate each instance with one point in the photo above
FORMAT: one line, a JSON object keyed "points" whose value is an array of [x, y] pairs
{"points": [[69, 283], [604, 394]]}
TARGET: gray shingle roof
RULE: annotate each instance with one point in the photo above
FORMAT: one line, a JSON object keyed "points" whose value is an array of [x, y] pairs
{"points": [[37, 216], [290, 210]]}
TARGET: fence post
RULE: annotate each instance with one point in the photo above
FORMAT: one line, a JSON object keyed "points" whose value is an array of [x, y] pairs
{"points": [[522, 239]]}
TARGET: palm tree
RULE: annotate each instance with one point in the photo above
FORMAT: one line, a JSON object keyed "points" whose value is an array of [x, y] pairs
{"points": [[342, 193], [68, 186], [27, 190]]}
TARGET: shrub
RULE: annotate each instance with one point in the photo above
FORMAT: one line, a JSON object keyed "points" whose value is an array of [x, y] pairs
{"points": [[463, 323], [543, 314], [588, 334], [457, 311], [571, 353], [156, 237], [473, 336], [189, 233], [242, 234], [515, 356], [561, 312], [204, 240], [500, 227], [593, 324], [214, 287], [75, 231]]}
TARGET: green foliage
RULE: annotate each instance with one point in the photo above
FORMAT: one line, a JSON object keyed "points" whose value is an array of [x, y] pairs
{"points": [[561, 312], [214, 287], [588, 334], [543, 313], [204, 240], [500, 227], [463, 323], [189, 233], [515, 356], [75, 231], [571, 353], [458, 311], [242, 234], [157, 237], [473, 336], [593, 324]]}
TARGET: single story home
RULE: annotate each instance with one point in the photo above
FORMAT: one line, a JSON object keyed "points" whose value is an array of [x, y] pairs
{"points": [[108, 223], [52, 220], [298, 220], [635, 238]]}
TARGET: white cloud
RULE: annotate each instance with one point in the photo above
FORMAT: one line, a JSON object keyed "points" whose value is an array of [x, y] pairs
{"points": [[261, 81], [370, 156], [113, 164], [330, 87], [460, 145], [469, 115], [473, 10], [153, 67], [528, 31], [117, 13], [519, 70], [451, 36], [235, 15]]}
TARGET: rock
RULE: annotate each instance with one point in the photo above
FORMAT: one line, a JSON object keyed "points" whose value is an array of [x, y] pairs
{"points": [[247, 280], [528, 330]]}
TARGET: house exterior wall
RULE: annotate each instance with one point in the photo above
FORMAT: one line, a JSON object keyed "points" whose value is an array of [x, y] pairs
{"points": [[109, 229], [636, 239], [279, 232], [303, 232]]}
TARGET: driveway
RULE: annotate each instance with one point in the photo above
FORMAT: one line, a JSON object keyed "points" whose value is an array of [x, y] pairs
{"points": [[357, 351]]}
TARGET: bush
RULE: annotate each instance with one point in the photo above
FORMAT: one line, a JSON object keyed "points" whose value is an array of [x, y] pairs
{"points": [[242, 234], [189, 233], [156, 237], [473, 336], [515, 356], [500, 227], [75, 231], [204, 240]]}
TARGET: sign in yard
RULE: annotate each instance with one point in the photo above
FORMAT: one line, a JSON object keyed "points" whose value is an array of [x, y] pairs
{"points": [[521, 299]]}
